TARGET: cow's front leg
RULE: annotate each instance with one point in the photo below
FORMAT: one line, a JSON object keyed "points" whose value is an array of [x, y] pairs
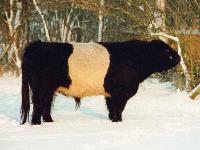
{"points": [[115, 107], [117, 102]]}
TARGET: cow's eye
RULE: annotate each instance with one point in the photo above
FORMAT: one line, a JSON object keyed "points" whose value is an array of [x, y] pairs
{"points": [[170, 57]]}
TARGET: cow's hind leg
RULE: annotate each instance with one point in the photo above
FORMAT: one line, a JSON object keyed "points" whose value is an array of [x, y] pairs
{"points": [[42, 97], [46, 111], [37, 105]]}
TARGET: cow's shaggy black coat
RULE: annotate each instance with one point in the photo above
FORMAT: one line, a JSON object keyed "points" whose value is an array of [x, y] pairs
{"points": [[131, 63], [45, 68]]}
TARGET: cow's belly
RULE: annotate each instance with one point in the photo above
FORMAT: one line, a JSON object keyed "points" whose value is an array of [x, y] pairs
{"points": [[88, 66]]}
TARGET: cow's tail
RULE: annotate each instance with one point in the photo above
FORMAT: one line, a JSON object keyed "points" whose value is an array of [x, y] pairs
{"points": [[26, 75], [25, 106]]}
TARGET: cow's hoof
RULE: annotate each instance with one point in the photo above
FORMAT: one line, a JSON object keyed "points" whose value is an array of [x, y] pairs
{"points": [[35, 121], [114, 117], [48, 119]]}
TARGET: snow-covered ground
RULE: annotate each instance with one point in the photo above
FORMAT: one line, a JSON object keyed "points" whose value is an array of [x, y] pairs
{"points": [[157, 118]]}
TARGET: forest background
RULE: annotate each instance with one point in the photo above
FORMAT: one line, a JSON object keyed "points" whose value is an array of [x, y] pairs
{"points": [[177, 22]]}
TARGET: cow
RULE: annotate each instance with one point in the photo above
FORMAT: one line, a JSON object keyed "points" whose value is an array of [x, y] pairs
{"points": [[111, 69]]}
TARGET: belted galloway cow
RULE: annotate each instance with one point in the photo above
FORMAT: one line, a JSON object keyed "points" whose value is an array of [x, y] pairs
{"points": [[112, 69]]}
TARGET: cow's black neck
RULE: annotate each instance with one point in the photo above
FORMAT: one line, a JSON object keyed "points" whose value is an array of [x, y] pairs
{"points": [[134, 53]]}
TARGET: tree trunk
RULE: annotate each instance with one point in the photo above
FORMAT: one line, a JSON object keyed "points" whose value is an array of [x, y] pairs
{"points": [[101, 18], [160, 18]]}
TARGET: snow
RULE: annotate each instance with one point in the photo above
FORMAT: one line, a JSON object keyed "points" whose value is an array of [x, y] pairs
{"points": [[158, 117]]}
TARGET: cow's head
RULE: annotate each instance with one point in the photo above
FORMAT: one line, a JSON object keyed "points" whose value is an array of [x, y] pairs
{"points": [[164, 57]]}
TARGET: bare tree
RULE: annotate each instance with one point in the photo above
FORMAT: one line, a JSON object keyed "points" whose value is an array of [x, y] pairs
{"points": [[13, 21]]}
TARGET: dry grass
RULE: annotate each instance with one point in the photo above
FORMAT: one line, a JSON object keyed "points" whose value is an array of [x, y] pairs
{"points": [[191, 50]]}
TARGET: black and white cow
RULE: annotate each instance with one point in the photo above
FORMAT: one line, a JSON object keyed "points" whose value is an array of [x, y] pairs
{"points": [[114, 70]]}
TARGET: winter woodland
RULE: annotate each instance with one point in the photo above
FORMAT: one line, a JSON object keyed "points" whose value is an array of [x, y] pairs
{"points": [[175, 22], [160, 116]]}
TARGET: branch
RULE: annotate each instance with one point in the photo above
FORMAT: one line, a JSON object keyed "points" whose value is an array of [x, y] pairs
{"points": [[18, 15], [176, 39], [196, 91], [6, 13], [11, 10], [5, 49], [70, 13], [43, 20]]}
